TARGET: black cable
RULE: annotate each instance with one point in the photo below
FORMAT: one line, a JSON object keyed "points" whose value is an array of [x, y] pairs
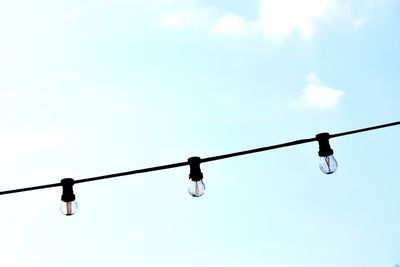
{"points": [[256, 150], [214, 158], [151, 169], [366, 129], [29, 188]]}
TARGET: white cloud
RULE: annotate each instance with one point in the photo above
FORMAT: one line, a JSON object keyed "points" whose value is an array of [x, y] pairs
{"points": [[312, 78], [12, 93], [358, 23], [281, 18], [231, 24], [17, 143], [168, 2], [278, 20], [84, 9], [187, 18], [316, 95], [234, 25]]}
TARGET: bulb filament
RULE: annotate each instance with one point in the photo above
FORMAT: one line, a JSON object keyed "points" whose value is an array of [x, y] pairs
{"points": [[328, 163], [69, 208]]}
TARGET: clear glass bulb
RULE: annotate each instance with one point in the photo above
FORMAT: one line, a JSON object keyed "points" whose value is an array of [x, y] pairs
{"points": [[328, 164], [196, 189], [69, 208]]}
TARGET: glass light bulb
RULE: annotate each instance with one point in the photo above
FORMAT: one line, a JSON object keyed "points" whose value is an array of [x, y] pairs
{"points": [[196, 189], [328, 164], [69, 208]]}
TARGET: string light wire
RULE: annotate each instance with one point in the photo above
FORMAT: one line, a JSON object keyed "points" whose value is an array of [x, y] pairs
{"points": [[213, 158]]}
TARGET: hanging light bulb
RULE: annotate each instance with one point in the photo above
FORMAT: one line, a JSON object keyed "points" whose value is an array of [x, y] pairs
{"points": [[68, 204], [196, 186], [327, 163]]}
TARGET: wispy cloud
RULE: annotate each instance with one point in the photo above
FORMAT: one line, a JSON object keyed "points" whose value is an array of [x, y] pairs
{"points": [[358, 23], [12, 93], [186, 18], [234, 25], [84, 9], [281, 18], [316, 95], [16, 143], [278, 19]]}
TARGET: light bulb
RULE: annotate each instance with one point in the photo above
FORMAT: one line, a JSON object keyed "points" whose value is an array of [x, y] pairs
{"points": [[328, 164], [69, 208], [196, 188], [68, 205]]}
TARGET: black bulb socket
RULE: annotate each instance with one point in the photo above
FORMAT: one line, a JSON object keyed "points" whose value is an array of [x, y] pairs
{"points": [[195, 172], [325, 149], [68, 192]]}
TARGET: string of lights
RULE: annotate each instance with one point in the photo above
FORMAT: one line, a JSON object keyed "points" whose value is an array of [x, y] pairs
{"points": [[328, 165]]}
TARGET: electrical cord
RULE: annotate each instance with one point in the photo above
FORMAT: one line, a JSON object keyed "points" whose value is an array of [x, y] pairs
{"points": [[209, 159]]}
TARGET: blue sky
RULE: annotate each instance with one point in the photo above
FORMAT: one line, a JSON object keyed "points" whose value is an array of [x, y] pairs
{"points": [[95, 87]]}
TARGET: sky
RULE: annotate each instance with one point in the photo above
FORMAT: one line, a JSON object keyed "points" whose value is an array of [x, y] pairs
{"points": [[89, 88]]}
